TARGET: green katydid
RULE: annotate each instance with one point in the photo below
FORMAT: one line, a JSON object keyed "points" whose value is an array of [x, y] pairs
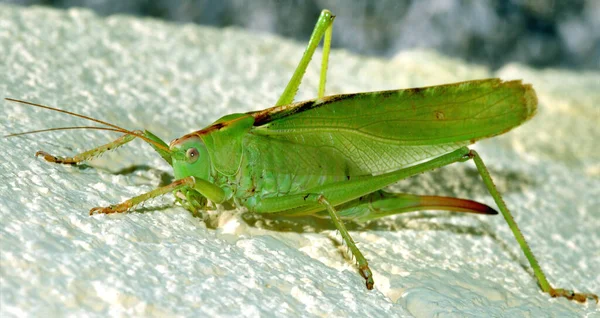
{"points": [[331, 156]]}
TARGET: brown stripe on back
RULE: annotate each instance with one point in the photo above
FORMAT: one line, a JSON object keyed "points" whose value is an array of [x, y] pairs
{"points": [[265, 116], [198, 133]]}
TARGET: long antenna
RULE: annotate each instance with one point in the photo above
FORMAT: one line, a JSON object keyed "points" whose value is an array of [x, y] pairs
{"points": [[63, 128], [114, 127], [65, 111]]}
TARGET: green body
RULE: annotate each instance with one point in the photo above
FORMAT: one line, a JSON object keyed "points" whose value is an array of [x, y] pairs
{"points": [[331, 156], [303, 146]]}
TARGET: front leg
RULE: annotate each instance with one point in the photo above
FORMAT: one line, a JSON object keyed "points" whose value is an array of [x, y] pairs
{"points": [[191, 200], [89, 154], [127, 205], [155, 142], [205, 188]]}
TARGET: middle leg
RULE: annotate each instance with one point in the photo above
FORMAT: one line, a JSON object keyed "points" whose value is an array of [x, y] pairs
{"points": [[363, 265]]}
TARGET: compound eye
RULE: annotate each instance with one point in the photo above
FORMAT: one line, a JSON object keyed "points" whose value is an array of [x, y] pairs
{"points": [[192, 155]]}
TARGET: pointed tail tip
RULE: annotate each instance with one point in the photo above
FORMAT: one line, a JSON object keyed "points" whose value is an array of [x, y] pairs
{"points": [[489, 210]]}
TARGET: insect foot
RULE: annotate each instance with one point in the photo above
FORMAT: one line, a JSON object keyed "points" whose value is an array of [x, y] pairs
{"points": [[50, 158], [118, 208], [365, 272], [571, 295]]}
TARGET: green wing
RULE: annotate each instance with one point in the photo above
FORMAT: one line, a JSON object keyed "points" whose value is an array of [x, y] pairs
{"points": [[382, 131]]}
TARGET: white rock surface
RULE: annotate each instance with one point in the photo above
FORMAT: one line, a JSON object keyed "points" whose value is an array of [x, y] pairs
{"points": [[140, 73]]}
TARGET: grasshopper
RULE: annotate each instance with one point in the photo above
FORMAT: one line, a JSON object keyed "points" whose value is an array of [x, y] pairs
{"points": [[331, 156]]}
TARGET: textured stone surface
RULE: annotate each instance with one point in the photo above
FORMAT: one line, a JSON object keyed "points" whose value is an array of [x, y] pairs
{"points": [[161, 261]]}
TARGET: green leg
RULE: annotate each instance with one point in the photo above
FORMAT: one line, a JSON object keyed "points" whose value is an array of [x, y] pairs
{"points": [[325, 60], [95, 152], [323, 27], [127, 205], [363, 265], [205, 188], [191, 200], [87, 155], [544, 284]]}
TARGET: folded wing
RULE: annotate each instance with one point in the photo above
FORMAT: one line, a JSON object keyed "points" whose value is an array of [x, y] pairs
{"points": [[371, 133]]}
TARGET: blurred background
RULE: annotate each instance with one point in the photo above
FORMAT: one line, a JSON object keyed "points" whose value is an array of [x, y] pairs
{"points": [[539, 33]]}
